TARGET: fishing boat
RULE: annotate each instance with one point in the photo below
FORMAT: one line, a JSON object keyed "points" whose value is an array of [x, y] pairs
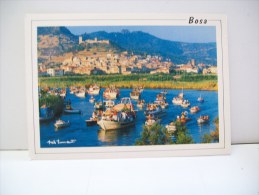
{"points": [[194, 109], [185, 104], [171, 127], [69, 110], [92, 100], [111, 93], [154, 110], [203, 119], [135, 95], [120, 116], [94, 90], [200, 99], [141, 104], [61, 124]]}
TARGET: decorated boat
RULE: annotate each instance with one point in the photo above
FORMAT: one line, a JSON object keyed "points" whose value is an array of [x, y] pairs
{"points": [[141, 104], [203, 119], [61, 124], [194, 109], [184, 117], [135, 95], [185, 103], [171, 127], [80, 93], [94, 90], [162, 103], [154, 110], [178, 100], [120, 116], [111, 93]]}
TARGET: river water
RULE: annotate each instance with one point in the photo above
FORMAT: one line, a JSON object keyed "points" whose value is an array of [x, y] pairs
{"points": [[80, 135]]}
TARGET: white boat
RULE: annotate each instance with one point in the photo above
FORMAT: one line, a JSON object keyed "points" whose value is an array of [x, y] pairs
{"points": [[141, 104], [80, 94], [162, 103], [135, 95], [184, 117], [92, 100], [152, 121], [111, 93], [61, 124], [177, 101], [119, 117], [185, 104], [203, 119], [171, 127], [194, 109], [109, 103], [200, 99], [94, 90], [154, 110]]}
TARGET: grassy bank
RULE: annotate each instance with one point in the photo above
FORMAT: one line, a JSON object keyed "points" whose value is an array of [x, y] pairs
{"points": [[199, 82]]}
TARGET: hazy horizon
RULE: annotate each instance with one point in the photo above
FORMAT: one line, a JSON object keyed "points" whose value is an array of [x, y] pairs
{"points": [[188, 34]]}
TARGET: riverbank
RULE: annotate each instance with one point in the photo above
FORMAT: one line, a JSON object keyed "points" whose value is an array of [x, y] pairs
{"points": [[198, 82]]}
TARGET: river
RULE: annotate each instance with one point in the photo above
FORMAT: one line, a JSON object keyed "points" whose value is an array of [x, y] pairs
{"points": [[80, 135]]}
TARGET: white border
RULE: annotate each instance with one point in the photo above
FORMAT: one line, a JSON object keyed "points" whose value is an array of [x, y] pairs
{"points": [[34, 20]]}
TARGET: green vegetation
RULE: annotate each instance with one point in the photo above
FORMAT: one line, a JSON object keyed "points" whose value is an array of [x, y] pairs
{"points": [[56, 103], [158, 135], [154, 135], [188, 81], [214, 135]]}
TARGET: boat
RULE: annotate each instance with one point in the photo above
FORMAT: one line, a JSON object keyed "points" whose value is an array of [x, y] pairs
{"points": [[111, 93], [94, 90], [120, 116], [164, 92], [135, 95], [178, 100], [185, 104], [141, 104], [61, 124], [109, 103], [200, 99], [171, 127], [160, 97], [154, 110], [99, 105], [194, 109], [69, 110], [92, 100], [184, 117], [203, 119], [162, 103], [80, 93], [152, 121]]}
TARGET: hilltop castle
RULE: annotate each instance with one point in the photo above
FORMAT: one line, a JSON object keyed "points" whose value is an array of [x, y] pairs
{"points": [[90, 41]]}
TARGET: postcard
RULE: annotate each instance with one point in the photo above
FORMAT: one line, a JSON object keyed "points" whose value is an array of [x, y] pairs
{"points": [[127, 85]]}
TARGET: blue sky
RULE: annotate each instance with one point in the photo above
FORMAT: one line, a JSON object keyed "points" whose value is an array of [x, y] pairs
{"points": [[190, 34]]}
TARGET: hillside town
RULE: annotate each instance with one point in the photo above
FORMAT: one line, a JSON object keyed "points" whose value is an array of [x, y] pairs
{"points": [[93, 62]]}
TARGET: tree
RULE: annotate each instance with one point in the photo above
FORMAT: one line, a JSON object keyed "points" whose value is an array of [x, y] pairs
{"points": [[182, 134], [154, 135]]}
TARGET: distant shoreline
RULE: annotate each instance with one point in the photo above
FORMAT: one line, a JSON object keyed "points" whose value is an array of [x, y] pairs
{"points": [[60, 82]]}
